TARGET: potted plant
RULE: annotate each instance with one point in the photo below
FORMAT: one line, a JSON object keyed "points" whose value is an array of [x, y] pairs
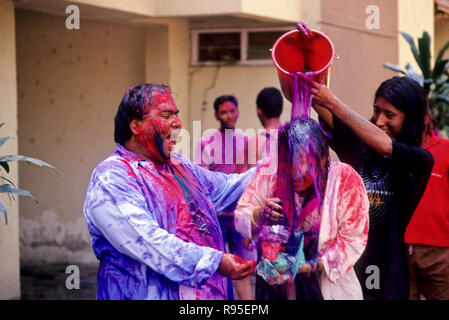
{"points": [[434, 79], [6, 185]]}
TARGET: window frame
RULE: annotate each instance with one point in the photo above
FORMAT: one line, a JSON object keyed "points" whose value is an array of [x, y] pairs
{"points": [[194, 55]]}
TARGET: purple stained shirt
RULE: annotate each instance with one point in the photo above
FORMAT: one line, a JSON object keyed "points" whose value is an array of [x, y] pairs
{"points": [[154, 228]]}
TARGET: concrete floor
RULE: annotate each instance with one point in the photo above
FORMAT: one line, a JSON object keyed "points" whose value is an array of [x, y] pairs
{"points": [[48, 282]]}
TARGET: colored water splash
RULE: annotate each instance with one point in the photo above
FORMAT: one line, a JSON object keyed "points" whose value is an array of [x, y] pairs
{"points": [[301, 95]]}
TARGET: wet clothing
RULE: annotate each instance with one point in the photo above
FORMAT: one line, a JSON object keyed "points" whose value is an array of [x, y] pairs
{"points": [[342, 236], [394, 186], [154, 227]]}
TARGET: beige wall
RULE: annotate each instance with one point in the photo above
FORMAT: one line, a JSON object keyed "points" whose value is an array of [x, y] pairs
{"points": [[70, 84], [178, 65], [441, 35], [414, 19], [9, 233], [362, 52], [290, 10]]}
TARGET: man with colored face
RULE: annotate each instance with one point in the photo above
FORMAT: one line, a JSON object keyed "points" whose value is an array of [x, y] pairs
{"points": [[226, 150], [151, 213]]}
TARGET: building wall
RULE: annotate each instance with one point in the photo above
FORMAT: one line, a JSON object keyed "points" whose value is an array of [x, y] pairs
{"points": [[358, 71], [414, 19], [441, 35], [9, 233], [70, 83]]}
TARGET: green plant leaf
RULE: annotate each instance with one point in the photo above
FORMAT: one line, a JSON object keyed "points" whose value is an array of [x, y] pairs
{"points": [[27, 159], [415, 52], [424, 54], [3, 209], [439, 69], [7, 188], [394, 67], [5, 166], [1, 124], [3, 140], [441, 97]]}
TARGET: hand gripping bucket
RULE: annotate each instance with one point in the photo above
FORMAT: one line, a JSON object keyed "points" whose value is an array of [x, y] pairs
{"points": [[295, 52]]}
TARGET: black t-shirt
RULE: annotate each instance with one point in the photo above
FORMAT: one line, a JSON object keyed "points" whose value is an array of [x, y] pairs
{"points": [[394, 186]]}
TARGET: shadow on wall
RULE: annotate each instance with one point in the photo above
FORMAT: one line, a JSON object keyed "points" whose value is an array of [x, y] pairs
{"points": [[48, 282]]}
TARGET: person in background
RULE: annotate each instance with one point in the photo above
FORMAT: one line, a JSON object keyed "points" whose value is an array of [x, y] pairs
{"points": [[226, 151], [269, 104], [151, 213], [427, 234]]}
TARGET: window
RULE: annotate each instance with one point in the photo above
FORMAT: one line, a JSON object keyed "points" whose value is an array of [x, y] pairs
{"points": [[260, 43], [241, 46], [219, 47]]}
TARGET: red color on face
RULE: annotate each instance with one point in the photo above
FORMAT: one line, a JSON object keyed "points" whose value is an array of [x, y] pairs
{"points": [[160, 128], [302, 166], [227, 115]]}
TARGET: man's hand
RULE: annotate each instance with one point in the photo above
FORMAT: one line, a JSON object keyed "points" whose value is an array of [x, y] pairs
{"points": [[271, 211], [235, 268]]}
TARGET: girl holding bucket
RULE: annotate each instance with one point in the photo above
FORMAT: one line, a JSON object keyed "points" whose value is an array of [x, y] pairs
{"points": [[386, 152]]}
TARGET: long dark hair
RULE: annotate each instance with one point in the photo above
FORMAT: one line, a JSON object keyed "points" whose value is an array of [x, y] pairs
{"points": [[301, 137], [408, 96]]}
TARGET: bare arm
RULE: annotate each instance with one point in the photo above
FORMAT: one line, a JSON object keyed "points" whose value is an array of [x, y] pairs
{"points": [[369, 133], [325, 115]]}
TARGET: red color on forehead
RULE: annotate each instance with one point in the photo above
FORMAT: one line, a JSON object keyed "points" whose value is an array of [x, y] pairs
{"points": [[156, 99], [161, 97]]}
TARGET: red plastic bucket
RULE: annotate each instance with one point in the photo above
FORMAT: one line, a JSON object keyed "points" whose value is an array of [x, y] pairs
{"points": [[295, 52]]}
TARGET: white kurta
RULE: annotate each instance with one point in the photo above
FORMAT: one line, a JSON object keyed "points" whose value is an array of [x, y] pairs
{"points": [[343, 230]]}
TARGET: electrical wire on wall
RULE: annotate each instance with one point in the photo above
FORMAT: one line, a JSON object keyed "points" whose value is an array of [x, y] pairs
{"points": [[213, 84]]}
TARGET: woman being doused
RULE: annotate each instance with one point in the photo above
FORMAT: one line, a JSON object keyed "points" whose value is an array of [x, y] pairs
{"points": [[309, 218]]}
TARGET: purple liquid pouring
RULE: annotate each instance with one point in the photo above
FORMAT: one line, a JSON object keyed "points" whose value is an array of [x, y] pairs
{"points": [[301, 96]]}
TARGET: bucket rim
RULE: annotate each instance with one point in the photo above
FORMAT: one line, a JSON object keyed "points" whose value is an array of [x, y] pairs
{"points": [[294, 31]]}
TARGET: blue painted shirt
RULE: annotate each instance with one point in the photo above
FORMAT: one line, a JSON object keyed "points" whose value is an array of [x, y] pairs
{"points": [[154, 228]]}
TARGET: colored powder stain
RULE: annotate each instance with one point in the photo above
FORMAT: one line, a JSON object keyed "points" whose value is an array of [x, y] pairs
{"points": [[246, 263], [160, 146], [301, 95]]}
